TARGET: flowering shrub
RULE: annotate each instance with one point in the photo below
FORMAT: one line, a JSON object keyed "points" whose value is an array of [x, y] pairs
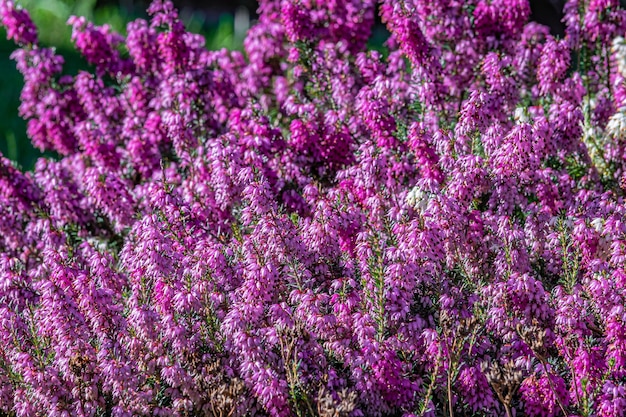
{"points": [[312, 228]]}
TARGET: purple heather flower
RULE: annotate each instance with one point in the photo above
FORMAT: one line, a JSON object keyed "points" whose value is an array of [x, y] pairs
{"points": [[18, 24]]}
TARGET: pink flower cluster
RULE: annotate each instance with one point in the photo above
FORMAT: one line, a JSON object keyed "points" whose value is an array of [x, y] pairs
{"points": [[312, 228]]}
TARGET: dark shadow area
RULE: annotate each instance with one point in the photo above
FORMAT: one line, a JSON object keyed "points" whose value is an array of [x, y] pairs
{"points": [[549, 13]]}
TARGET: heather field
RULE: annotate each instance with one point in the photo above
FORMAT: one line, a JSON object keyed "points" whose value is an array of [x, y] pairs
{"points": [[310, 227]]}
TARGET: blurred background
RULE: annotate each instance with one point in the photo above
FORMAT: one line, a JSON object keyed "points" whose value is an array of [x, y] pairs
{"points": [[222, 22]]}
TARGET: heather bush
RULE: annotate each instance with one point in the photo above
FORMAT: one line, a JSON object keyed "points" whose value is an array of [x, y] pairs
{"points": [[310, 228]]}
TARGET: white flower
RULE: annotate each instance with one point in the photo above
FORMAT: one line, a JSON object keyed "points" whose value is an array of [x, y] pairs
{"points": [[616, 127], [598, 224], [521, 115], [619, 49], [418, 199]]}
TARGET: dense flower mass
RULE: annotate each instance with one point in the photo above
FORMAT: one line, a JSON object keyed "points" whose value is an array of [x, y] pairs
{"points": [[312, 228]]}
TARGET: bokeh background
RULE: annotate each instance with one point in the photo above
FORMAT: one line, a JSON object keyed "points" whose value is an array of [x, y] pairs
{"points": [[223, 23]]}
